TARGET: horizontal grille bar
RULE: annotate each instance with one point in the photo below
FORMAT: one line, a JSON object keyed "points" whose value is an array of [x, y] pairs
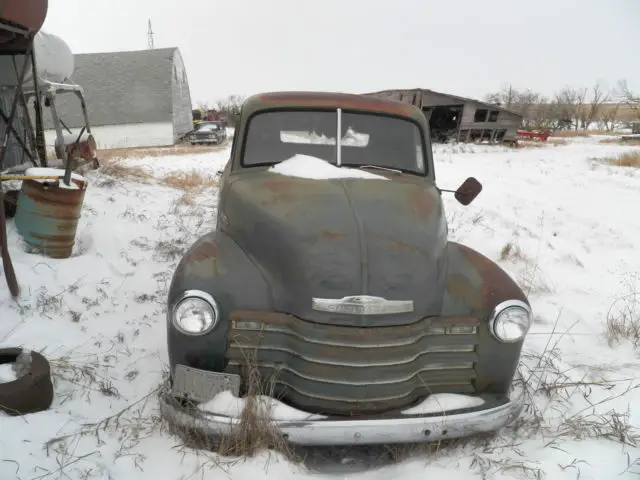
{"points": [[331, 368]]}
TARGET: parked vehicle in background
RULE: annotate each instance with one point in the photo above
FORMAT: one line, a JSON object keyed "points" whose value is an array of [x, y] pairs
{"points": [[201, 115], [208, 133], [331, 283]]}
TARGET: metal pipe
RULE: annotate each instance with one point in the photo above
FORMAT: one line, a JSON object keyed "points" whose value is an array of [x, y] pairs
{"points": [[32, 134], [339, 139], [40, 140], [17, 136], [9, 272], [56, 123], [83, 106], [14, 107]]}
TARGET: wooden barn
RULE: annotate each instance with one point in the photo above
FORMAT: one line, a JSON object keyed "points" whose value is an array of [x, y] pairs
{"points": [[458, 118]]}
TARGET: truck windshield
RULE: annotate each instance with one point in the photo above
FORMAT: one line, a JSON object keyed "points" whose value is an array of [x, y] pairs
{"points": [[366, 139]]}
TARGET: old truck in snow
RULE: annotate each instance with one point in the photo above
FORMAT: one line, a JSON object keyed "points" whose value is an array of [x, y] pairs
{"points": [[331, 275]]}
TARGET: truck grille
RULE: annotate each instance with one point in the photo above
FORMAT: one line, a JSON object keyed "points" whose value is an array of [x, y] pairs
{"points": [[353, 370]]}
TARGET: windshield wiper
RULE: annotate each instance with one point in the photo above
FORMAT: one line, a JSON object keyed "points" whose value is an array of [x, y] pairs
{"points": [[376, 167]]}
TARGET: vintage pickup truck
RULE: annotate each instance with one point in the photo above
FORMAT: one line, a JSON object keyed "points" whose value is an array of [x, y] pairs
{"points": [[330, 273]]}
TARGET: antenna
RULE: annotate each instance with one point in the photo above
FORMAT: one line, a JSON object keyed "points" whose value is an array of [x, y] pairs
{"points": [[150, 35]]}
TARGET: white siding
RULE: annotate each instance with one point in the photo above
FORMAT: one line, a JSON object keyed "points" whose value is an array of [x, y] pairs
{"points": [[124, 136], [181, 98]]}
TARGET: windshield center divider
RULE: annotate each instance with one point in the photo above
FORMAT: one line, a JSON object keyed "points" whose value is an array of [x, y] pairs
{"points": [[339, 138]]}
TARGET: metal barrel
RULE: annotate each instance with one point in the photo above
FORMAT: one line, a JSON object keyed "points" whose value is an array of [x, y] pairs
{"points": [[47, 216]]}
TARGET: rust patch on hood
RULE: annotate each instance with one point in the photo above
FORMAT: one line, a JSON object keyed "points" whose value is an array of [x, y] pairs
{"points": [[460, 287], [278, 185], [497, 285], [421, 202], [331, 235], [203, 261]]}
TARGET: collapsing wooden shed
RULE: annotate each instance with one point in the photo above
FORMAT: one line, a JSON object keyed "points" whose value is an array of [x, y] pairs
{"points": [[454, 118]]}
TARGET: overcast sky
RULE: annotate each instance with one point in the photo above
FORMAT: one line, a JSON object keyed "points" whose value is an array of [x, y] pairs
{"points": [[464, 47]]}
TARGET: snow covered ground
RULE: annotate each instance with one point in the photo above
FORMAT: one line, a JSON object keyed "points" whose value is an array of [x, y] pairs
{"points": [[559, 220]]}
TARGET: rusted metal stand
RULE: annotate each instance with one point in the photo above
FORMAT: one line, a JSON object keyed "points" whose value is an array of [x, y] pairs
{"points": [[9, 272]]}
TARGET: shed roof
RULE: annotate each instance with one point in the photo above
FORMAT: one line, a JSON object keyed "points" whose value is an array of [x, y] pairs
{"points": [[120, 88], [455, 98]]}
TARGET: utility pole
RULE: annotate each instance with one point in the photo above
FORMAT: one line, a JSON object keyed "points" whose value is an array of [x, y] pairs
{"points": [[150, 35]]}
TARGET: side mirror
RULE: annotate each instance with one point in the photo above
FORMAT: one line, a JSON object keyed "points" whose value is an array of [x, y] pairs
{"points": [[468, 191]]}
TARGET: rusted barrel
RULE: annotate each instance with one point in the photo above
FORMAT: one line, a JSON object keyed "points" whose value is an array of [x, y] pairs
{"points": [[29, 14], [48, 212]]}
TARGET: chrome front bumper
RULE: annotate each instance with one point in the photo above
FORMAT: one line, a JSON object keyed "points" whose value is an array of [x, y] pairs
{"points": [[332, 431]]}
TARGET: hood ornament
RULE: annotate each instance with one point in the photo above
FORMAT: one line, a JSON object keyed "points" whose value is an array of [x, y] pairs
{"points": [[361, 305]]}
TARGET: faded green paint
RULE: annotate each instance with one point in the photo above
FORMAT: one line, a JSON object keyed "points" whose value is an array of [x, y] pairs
{"points": [[282, 240]]}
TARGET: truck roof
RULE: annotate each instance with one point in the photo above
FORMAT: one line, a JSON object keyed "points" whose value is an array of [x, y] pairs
{"points": [[330, 100]]}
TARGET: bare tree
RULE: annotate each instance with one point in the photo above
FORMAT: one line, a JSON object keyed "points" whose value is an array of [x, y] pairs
{"points": [[231, 107], [506, 97], [629, 98], [568, 102], [609, 115], [533, 106], [599, 96]]}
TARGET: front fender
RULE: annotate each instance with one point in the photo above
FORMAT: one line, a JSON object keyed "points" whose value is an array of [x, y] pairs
{"points": [[475, 285], [217, 265]]}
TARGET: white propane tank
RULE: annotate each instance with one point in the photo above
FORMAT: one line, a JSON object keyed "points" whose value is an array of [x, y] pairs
{"points": [[54, 62]]}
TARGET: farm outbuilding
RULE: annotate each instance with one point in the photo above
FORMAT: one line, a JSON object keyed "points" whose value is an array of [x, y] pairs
{"points": [[134, 98], [458, 118]]}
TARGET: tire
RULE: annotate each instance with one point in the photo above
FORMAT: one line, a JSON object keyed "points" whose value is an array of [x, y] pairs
{"points": [[31, 393]]}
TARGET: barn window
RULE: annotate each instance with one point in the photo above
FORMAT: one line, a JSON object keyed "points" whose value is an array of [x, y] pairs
{"points": [[493, 116], [481, 115], [175, 73]]}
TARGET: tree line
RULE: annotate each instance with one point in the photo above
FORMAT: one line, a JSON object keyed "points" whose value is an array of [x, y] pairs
{"points": [[569, 108], [572, 108]]}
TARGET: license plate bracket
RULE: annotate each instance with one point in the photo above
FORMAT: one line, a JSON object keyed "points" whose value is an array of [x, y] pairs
{"points": [[202, 385]]}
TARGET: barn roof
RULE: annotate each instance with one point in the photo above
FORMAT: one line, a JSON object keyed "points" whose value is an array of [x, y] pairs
{"points": [[120, 88]]}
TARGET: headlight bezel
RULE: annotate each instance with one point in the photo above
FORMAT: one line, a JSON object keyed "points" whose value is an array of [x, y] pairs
{"points": [[501, 308], [198, 295]]}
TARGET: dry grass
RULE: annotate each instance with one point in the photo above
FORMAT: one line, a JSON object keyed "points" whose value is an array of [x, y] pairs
{"points": [[620, 141], [121, 171], [512, 253], [551, 141], [627, 159], [254, 433], [530, 144], [579, 133], [623, 320], [140, 152], [189, 181]]}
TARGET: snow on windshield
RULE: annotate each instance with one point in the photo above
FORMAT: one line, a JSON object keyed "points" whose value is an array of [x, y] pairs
{"points": [[306, 166]]}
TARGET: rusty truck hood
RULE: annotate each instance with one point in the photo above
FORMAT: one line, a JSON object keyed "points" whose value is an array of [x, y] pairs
{"points": [[341, 237]]}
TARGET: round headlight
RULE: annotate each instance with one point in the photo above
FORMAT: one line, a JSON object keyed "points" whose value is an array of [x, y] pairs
{"points": [[510, 321], [195, 313]]}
